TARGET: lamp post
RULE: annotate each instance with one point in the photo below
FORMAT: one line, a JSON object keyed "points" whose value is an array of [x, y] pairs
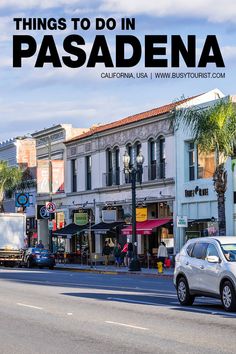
{"points": [[133, 171]]}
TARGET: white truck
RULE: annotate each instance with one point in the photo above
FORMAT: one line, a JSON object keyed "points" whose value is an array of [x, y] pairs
{"points": [[12, 238]]}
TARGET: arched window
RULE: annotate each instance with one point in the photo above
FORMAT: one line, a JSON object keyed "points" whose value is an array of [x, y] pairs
{"points": [[152, 168], [117, 165], [109, 167], [161, 157]]}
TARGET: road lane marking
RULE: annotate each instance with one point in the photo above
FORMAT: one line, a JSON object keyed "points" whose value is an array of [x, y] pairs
{"points": [[69, 313], [126, 325], [31, 306]]}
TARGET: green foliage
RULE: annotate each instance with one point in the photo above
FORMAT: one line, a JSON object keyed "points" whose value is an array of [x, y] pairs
{"points": [[212, 128], [9, 178]]}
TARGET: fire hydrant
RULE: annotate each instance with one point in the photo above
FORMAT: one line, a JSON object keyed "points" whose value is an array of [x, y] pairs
{"points": [[159, 267]]}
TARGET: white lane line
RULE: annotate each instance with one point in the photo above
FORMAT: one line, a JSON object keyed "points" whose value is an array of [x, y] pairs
{"points": [[127, 325], [33, 307], [69, 313], [133, 301]]}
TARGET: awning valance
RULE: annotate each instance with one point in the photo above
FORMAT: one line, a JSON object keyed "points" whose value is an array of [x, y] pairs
{"points": [[70, 230], [145, 227], [103, 227]]}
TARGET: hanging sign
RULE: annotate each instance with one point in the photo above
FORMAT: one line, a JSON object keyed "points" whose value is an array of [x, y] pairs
{"points": [[182, 221], [81, 218], [141, 214]]}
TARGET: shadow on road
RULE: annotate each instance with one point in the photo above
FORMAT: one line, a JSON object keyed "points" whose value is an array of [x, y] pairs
{"points": [[109, 288]]}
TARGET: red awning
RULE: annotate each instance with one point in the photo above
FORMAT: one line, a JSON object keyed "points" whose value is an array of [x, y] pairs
{"points": [[145, 227]]}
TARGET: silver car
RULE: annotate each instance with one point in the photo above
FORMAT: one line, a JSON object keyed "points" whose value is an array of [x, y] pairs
{"points": [[206, 266]]}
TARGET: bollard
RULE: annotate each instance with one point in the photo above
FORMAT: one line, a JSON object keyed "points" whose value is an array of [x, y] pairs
{"points": [[159, 267]]}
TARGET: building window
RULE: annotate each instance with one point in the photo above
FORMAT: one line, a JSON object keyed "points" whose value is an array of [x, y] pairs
{"points": [[73, 176], [206, 164], [88, 161], [162, 170], [109, 168], [200, 165], [152, 170], [117, 166], [191, 161]]}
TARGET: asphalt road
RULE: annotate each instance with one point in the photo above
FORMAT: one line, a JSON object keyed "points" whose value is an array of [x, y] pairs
{"points": [[66, 312]]}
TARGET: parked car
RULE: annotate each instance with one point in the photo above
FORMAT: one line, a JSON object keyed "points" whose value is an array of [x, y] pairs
{"points": [[206, 266], [38, 257]]}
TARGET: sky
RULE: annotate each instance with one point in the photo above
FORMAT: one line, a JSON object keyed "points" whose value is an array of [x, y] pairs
{"points": [[32, 98]]}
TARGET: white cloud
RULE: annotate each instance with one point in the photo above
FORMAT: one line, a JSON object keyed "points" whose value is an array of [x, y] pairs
{"points": [[211, 10], [41, 4]]}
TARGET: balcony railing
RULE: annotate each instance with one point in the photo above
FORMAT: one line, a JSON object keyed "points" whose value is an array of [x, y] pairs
{"points": [[111, 178]]}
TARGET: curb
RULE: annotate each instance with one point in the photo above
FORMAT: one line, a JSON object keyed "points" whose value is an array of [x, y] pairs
{"points": [[111, 272]]}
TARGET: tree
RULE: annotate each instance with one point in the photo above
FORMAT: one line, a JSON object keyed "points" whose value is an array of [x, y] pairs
{"points": [[213, 129], [10, 177]]}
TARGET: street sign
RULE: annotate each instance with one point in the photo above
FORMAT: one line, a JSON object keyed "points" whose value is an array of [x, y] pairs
{"points": [[51, 207], [22, 199], [50, 225]]}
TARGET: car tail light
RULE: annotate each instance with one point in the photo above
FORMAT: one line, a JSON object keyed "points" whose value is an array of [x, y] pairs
{"points": [[52, 256], [34, 256]]}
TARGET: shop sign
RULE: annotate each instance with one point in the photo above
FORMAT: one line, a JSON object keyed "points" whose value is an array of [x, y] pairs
{"points": [[109, 215], [42, 212], [22, 199], [80, 218], [182, 221], [141, 214], [197, 191]]}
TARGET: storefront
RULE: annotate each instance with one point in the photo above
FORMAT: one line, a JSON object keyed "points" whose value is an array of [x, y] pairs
{"points": [[150, 233]]}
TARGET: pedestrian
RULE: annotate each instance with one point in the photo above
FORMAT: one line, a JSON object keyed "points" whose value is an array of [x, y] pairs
{"points": [[106, 253], [117, 254], [124, 251], [40, 244], [162, 254], [130, 252]]}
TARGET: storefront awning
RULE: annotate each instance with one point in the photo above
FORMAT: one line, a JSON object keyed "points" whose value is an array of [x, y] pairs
{"points": [[145, 227], [69, 230], [103, 227]]}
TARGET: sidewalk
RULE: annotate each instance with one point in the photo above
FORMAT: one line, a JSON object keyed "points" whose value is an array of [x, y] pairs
{"points": [[101, 269]]}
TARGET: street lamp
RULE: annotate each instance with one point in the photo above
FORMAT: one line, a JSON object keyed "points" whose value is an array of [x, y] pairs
{"points": [[133, 171]]}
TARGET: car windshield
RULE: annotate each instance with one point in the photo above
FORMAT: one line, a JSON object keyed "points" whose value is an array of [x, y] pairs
{"points": [[229, 251]]}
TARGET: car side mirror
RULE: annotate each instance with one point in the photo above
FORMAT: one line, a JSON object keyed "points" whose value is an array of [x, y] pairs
{"points": [[213, 259]]}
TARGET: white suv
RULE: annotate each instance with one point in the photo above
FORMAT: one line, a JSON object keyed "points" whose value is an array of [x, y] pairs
{"points": [[206, 266]]}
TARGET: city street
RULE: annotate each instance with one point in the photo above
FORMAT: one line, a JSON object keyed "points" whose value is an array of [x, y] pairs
{"points": [[45, 311]]}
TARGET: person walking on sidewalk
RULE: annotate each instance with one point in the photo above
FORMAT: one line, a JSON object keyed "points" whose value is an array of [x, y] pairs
{"points": [[162, 254], [117, 254], [130, 252], [106, 253]]}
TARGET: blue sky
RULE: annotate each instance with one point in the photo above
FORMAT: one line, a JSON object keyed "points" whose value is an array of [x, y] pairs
{"points": [[32, 99]]}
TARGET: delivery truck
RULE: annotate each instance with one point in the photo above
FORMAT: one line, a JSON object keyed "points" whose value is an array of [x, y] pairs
{"points": [[12, 238]]}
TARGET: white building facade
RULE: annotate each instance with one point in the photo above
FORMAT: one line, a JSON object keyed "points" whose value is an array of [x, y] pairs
{"points": [[196, 199]]}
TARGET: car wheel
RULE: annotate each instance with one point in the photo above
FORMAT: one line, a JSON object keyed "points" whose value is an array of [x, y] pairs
{"points": [[228, 297], [183, 293]]}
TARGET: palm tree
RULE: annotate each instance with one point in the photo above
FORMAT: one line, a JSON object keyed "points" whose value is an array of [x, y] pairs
{"points": [[213, 129], [10, 177]]}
